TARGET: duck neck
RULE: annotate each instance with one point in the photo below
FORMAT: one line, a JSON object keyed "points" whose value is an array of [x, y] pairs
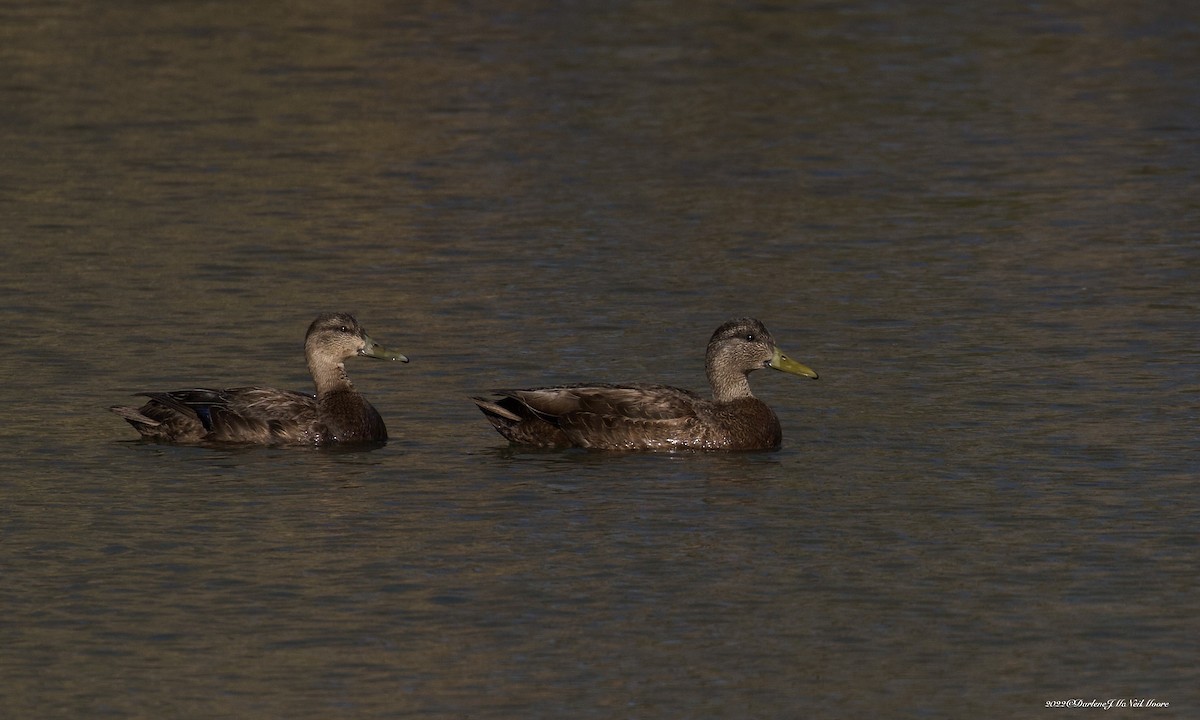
{"points": [[729, 385], [329, 376]]}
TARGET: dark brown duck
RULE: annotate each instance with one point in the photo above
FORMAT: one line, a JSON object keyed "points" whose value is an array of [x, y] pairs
{"points": [[261, 415], [656, 417]]}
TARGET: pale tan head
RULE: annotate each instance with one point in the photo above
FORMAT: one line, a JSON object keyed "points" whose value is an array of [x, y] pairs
{"points": [[332, 339], [738, 348]]}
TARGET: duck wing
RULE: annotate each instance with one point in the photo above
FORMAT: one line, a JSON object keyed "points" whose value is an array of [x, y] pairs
{"points": [[246, 414], [602, 416], [169, 416], [264, 415], [647, 402]]}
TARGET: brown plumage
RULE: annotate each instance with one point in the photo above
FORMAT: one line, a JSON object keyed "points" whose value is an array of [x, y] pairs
{"points": [[266, 416], [655, 417]]}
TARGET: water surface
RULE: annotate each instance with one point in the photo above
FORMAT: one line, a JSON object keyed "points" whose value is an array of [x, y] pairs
{"points": [[978, 223]]}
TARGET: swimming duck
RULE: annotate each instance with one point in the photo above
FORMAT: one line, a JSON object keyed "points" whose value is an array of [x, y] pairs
{"points": [[260, 415], [656, 417]]}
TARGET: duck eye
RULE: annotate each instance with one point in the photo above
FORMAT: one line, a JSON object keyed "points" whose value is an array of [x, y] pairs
{"points": [[344, 329], [750, 337]]}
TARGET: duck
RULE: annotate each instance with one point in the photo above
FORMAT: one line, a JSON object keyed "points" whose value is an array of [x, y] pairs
{"points": [[602, 416], [336, 413]]}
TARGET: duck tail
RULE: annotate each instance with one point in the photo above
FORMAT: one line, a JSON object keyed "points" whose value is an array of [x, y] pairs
{"points": [[491, 408], [134, 416]]}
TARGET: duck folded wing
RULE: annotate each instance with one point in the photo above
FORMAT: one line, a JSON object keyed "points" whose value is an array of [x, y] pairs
{"points": [[246, 414], [617, 432], [630, 417], [636, 402], [194, 403]]}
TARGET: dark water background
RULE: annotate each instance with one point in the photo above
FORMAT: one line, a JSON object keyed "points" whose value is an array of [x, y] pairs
{"points": [[978, 221]]}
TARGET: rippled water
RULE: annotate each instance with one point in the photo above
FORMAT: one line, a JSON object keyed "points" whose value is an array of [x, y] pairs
{"points": [[977, 222]]}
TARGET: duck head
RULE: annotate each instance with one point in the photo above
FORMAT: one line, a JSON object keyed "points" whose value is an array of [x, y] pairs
{"points": [[740, 347], [334, 337]]}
